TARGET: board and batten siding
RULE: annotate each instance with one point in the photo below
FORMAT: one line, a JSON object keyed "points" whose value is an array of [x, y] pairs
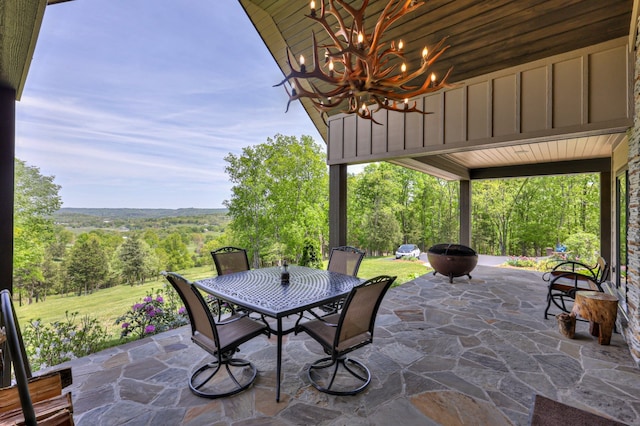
{"points": [[583, 92]]}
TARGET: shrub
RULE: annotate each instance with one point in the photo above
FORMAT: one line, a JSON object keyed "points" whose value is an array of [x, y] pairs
{"points": [[522, 262], [61, 341], [310, 256], [153, 315], [583, 247]]}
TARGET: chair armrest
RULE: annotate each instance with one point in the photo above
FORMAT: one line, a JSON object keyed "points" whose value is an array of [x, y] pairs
{"points": [[573, 264]]}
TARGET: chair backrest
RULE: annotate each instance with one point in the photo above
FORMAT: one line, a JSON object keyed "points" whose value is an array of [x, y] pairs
{"points": [[602, 273], [199, 314], [345, 260], [229, 260], [359, 313]]}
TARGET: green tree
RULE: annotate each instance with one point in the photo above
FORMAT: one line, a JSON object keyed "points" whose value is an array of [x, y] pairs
{"points": [[495, 203], [374, 225], [87, 267], [176, 251], [131, 261], [36, 199], [279, 197]]}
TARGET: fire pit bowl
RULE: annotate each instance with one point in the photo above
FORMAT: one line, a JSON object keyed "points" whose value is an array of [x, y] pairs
{"points": [[452, 260]]}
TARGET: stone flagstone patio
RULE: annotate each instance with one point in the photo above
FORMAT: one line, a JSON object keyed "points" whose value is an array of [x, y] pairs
{"points": [[469, 353]]}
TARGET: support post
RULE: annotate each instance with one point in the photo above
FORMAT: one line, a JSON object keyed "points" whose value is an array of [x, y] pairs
{"points": [[7, 165], [465, 213], [337, 205], [605, 215]]}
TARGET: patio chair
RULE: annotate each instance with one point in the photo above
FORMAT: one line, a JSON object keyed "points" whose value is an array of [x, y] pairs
{"points": [[229, 260], [340, 334], [345, 260], [570, 276], [221, 340]]}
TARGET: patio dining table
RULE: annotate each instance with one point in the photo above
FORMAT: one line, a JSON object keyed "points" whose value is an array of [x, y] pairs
{"points": [[262, 291]]}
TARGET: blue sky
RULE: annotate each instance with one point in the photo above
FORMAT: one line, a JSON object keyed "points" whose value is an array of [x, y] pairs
{"points": [[135, 103]]}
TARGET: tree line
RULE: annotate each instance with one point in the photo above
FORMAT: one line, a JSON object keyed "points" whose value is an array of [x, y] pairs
{"points": [[278, 210]]}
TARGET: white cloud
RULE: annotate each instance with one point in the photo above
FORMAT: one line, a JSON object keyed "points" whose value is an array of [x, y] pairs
{"points": [[133, 106]]}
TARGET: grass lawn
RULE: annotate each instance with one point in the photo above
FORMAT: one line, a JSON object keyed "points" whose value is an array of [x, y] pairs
{"points": [[108, 304]]}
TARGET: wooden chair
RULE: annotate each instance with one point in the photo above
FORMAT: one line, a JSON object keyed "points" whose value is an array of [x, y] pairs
{"points": [[32, 400], [221, 340], [569, 277], [229, 260], [342, 333]]}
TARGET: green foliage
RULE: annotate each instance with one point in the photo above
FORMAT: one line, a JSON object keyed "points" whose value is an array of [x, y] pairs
{"points": [[177, 253], [526, 215], [310, 255], [279, 198], [135, 261], [87, 267], [61, 341], [389, 205], [583, 247], [154, 314], [375, 225], [522, 262], [35, 199]]}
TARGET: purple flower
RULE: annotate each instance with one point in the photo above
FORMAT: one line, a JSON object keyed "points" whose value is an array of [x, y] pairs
{"points": [[182, 310], [148, 299], [125, 325], [159, 299], [152, 313], [137, 307], [149, 329]]}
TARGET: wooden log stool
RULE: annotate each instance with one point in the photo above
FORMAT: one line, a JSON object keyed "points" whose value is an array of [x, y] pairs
{"points": [[600, 309]]}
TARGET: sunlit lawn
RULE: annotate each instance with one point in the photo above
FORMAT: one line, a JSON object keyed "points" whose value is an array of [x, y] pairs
{"points": [[108, 304]]}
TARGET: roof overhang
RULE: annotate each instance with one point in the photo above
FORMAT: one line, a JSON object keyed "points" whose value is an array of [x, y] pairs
{"points": [[20, 22]]}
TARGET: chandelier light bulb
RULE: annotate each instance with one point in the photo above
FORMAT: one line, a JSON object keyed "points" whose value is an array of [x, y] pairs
{"points": [[372, 68]]}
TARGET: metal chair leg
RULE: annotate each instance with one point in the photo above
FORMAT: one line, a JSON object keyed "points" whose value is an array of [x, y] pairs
{"points": [[348, 364]]}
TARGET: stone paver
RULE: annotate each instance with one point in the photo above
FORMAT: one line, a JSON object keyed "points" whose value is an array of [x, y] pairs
{"points": [[471, 352]]}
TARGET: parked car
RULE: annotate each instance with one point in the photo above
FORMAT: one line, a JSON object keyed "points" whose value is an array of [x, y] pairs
{"points": [[411, 250]]}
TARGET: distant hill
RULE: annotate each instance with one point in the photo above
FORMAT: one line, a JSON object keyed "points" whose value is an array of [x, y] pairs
{"points": [[134, 213]]}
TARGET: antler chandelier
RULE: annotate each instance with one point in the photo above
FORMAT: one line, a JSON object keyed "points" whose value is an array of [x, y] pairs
{"points": [[360, 69]]}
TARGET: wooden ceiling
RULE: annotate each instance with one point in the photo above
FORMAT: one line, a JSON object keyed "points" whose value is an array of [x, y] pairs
{"points": [[484, 36]]}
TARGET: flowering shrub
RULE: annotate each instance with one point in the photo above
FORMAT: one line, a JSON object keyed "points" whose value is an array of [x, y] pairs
{"points": [[522, 262], [61, 341], [153, 315]]}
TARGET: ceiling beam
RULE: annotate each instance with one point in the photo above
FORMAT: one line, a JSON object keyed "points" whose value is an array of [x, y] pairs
{"points": [[594, 165]]}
